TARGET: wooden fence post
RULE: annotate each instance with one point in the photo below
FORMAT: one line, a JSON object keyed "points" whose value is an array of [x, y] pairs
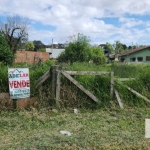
{"points": [[53, 81], [111, 84], [58, 88]]}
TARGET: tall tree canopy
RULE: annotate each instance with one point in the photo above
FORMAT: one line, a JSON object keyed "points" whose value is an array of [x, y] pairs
{"points": [[15, 30], [119, 47], [38, 45]]}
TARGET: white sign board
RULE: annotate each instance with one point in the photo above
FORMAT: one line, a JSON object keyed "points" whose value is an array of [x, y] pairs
{"points": [[19, 83], [147, 128]]}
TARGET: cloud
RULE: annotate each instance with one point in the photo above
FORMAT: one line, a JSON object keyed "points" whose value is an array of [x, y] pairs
{"points": [[78, 16], [130, 22]]}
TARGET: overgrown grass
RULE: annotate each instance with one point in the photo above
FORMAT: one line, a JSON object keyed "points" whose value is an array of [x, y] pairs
{"points": [[35, 73], [87, 67], [100, 85], [71, 96], [107, 129]]}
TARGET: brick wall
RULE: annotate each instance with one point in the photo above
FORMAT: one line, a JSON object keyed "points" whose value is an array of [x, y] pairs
{"points": [[6, 101], [30, 56]]}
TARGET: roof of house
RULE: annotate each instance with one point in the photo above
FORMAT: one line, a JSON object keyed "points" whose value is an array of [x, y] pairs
{"points": [[113, 56], [134, 50]]}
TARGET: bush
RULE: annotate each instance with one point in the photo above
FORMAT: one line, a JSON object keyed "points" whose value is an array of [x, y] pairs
{"points": [[29, 46], [77, 50], [97, 55]]}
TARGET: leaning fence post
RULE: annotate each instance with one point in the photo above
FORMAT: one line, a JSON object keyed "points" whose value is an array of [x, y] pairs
{"points": [[111, 84]]}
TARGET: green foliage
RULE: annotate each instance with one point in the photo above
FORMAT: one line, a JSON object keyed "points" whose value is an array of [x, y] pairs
{"points": [[29, 46], [71, 96], [110, 48], [6, 55], [34, 72], [97, 55], [42, 50], [126, 70], [77, 50], [3, 78], [119, 47], [80, 50], [38, 45], [37, 72], [140, 84], [100, 86], [84, 66]]}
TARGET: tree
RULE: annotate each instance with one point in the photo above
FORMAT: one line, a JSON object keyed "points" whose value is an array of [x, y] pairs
{"points": [[6, 55], [119, 47], [109, 47], [38, 45], [14, 31], [132, 47], [29, 46], [78, 49]]}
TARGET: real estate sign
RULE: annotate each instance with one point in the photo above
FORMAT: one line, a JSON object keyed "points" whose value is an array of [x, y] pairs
{"points": [[19, 83]]}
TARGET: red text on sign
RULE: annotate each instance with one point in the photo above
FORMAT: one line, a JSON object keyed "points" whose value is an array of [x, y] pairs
{"points": [[19, 84]]}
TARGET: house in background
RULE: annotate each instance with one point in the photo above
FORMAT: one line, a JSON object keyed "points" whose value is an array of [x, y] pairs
{"points": [[54, 53], [137, 55], [55, 50]]}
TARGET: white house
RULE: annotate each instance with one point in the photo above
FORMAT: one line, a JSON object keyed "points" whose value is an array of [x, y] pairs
{"points": [[55, 52]]}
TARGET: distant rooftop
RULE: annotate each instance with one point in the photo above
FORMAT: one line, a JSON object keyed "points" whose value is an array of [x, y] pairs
{"points": [[134, 50]]}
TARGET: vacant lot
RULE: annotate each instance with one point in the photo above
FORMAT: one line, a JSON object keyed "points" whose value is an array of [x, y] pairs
{"points": [[98, 129]]}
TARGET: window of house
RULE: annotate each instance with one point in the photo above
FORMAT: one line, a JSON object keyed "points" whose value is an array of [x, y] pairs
{"points": [[132, 59], [122, 59], [140, 59], [147, 58]]}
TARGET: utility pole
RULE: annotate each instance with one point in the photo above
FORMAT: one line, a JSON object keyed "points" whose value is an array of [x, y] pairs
{"points": [[52, 47], [78, 37], [6, 28]]}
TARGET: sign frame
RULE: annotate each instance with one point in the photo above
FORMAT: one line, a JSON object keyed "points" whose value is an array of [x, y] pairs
{"points": [[19, 83]]}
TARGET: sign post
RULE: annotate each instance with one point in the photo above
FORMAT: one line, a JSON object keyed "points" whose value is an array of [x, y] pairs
{"points": [[19, 83]]}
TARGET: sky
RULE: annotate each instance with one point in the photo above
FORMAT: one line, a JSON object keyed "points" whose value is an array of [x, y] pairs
{"points": [[127, 21]]}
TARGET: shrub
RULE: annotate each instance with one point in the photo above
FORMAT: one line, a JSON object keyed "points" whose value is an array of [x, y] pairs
{"points": [[29, 46], [77, 50], [97, 55]]}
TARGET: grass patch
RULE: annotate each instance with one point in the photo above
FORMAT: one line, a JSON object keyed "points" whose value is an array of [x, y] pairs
{"points": [[99, 129]]}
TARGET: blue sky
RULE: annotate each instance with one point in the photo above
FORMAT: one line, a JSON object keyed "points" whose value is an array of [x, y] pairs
{"points": [[101, 20]]}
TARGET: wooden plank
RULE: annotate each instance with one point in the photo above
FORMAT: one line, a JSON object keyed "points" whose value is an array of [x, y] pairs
{"points": [[86, 72], [42, 79], [112, 84], [58, 88], [126, 79], [118, 99], [80, 87], [138, 94]]}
